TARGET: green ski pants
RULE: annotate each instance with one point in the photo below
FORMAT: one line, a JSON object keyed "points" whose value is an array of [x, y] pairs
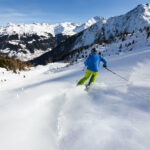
{"points": [[86, 77]]}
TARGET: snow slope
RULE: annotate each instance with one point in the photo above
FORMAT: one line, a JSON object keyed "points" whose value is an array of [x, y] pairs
{"points": [[121, 45], [45, 110]]}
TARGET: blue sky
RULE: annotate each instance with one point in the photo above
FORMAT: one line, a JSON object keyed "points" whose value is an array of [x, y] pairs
{"points": [[54, 11]]}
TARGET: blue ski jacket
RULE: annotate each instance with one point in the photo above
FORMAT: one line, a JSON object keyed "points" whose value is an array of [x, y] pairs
{"points": [[93, 61]]}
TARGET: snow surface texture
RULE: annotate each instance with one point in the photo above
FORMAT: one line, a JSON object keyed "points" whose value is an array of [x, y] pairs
{"points": [[45, 110], [43, 29]]}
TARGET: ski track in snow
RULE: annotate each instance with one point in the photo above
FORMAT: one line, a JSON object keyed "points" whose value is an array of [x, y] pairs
{"points": [[47, 111]]}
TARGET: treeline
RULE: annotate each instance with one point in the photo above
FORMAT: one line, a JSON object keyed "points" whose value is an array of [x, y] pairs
{"points": [[13, 64]]}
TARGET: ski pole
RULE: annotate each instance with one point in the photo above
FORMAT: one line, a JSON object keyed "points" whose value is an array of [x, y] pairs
{"points": [[117, 74]]}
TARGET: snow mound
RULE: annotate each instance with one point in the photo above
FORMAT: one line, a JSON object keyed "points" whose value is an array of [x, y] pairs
{"points": [[141, 74]]}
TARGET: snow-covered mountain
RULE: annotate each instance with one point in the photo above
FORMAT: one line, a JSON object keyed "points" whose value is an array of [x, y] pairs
{"points": [[91, 34], [89, 23], [66, 28], [43, 29], [44, 42], [123, 44], [104, 31], [27, 41], [134, 20]]}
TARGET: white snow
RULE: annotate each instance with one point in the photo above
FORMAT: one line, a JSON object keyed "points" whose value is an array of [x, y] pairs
{"points": [[14, 42], [129, 22], [45, 110], [90, 35], [43, 29]]}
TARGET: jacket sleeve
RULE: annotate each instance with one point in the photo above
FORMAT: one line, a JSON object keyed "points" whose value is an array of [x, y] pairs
{"points": [[86, 62], [104, 61]]}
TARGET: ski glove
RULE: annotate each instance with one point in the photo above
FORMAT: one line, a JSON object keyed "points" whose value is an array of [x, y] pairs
{"points": [[104, 66]]}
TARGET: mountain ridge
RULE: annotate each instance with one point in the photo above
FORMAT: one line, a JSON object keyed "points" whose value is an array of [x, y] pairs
{"points": [[42, 29], [103, 31], [33, 42], [28, 41]]}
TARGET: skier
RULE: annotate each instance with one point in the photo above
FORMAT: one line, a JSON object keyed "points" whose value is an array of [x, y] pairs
{"points": [[92, 64]]}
